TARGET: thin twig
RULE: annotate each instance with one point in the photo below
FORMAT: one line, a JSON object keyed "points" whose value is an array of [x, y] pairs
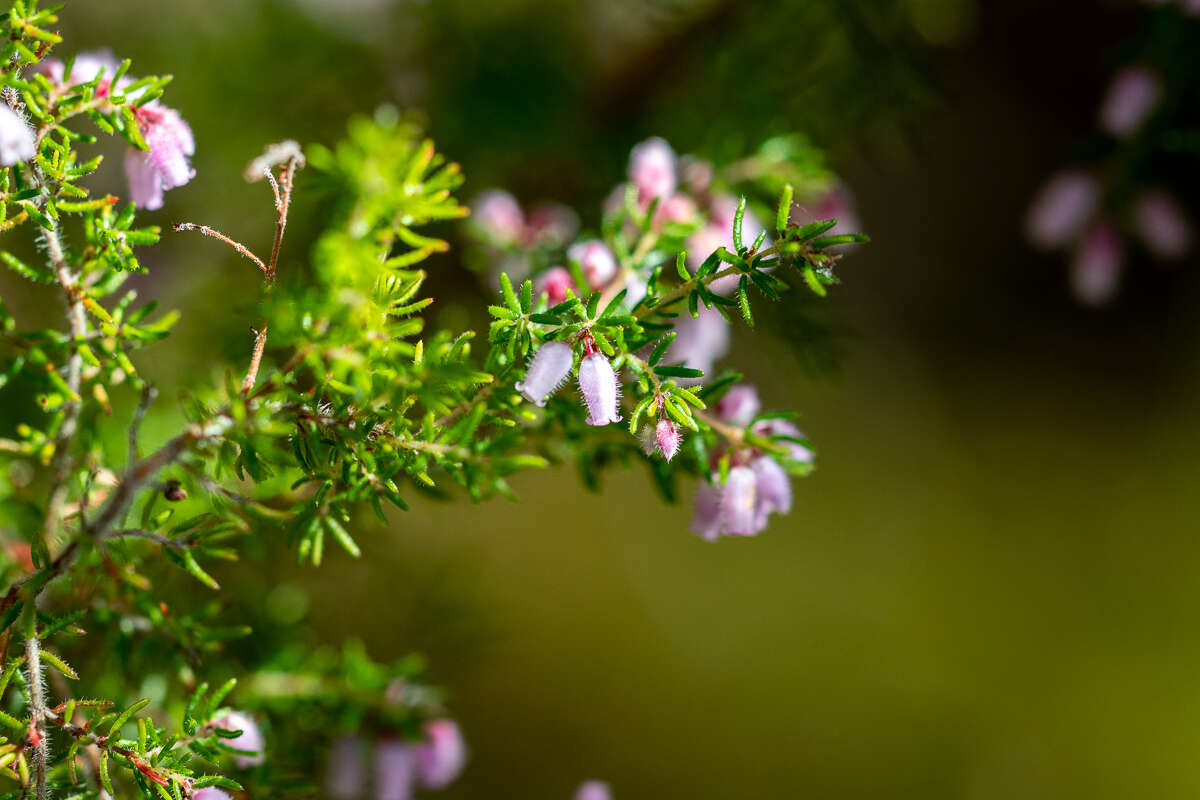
{"points": [[215, 234], [149, 393], [37, 714], [260, 344]]}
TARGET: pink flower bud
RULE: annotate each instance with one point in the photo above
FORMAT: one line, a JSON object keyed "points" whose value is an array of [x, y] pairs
{"points": [[678, 209], [441, 757], [1162, 225], [210, 793], [739, 405], [598, 385], [773, 488], [250, 742], [166, 165], [1096, 269], [697, 174], [1132, 95], [739, 503], [345, 773], [16, 138], [706, 514], [395, 769], [593, 790], [498, 217], [553, 283], [652, 169], [667, 437], [551, 225], [596, 261], [550, 366], [1061, 208], [699, 341]]}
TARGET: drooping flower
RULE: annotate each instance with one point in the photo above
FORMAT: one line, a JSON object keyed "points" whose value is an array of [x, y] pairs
{"points": [[553, 283], [739, 405], [249, 742], [497, 215], [1096, 268], [441, 757], [598, 385], [596, 261], [1162, 225], [739, 503], [1132, 96], [772, 487], [550, 366], [395, 769], [667, 438], [706, 512], [345, 773], [1061, 208], [678, 209], [652, 170], [551, 225], [17, 141], [210, 793], [593, 790], [165, 165]]}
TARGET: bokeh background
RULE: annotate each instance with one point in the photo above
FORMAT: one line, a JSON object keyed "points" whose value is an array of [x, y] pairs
{"points": [[989, 588]]}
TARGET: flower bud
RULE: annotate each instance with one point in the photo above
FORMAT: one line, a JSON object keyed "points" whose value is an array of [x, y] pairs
{"points": [[1162, 225], [250, 741], [652, 169], [441, 757], [1132, 96], [593, 790], [550, 366], [598, 384], [395, 769], [596, 261], [16, 138], [1061, 208], [739, 503], [1096, 269], [497, 216], [739, 405], [551, 225], [553, 283], [667, 437], [345, 773], [173, 491]]}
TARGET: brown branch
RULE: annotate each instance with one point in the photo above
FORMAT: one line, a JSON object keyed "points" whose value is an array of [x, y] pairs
{"points": [[215, 234]]}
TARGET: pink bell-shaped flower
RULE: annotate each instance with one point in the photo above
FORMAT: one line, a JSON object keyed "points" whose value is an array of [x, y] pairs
{"points": [[165, 165], [443, 754], [739, 503], [1061, 208], [16, 138], [550, 366], [395, 769], [598, 385]]}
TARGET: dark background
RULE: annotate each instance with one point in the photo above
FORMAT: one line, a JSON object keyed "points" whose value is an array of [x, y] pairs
{"points": [[989, 587]]}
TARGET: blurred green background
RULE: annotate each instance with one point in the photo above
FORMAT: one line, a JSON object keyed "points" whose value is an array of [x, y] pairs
{"points": [[989, 587]]}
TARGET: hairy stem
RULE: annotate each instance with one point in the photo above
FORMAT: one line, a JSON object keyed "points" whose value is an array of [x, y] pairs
{"points": [[37, 711]]}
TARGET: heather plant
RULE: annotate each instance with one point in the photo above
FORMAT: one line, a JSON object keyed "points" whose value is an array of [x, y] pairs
{"points": [[344, 405]]}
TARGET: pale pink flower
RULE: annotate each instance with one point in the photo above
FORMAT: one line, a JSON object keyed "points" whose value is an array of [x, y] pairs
{"points": [[739, 405], [699, 341], [772, 487], [345, 773], [1096, 268], [652, 170], [443, 754], [17, 142], [678, 209], [696, 173], [550, 366], [551, 225], [1162, 225], [210, 793], [249, 742], [87, 66], [598, 385], [1061, 208], [497, 215], [593, 790], [166, 165], [597, 262], [1132, 96], [667, 438], [395, 769], [706, 514], [739, 503], [554, 283]]}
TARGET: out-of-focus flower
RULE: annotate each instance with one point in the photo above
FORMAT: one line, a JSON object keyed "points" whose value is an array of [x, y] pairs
{"points": [[1132, 95], [554, 283], [699, 341], [593, 790], [652, 170], [498, 217], [166, 165], [739, 405], [550, 366], [706, 513], [210, 793], [678, 209], [551, 225], [1162, 225], [597, 262], [250, 741], [85, 69], [395, 769], [783, 427], [696, 174], [1061, 208], [17, 142], [443, 754], [739, 503], [1096, 268], [345, 772], [598, 385], [772, 487]]}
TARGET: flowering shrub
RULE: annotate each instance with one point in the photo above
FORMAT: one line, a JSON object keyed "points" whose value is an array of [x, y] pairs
{"points": [[344, 403]]}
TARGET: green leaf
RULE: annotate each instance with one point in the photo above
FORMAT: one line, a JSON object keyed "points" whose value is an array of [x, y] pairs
{"points": [[785, 209], [125, 716]]}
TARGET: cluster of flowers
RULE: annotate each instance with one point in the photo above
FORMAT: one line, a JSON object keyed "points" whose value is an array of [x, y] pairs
{"points": [[1068, 213], [165, 165], [755, 486], [400, 766]]}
